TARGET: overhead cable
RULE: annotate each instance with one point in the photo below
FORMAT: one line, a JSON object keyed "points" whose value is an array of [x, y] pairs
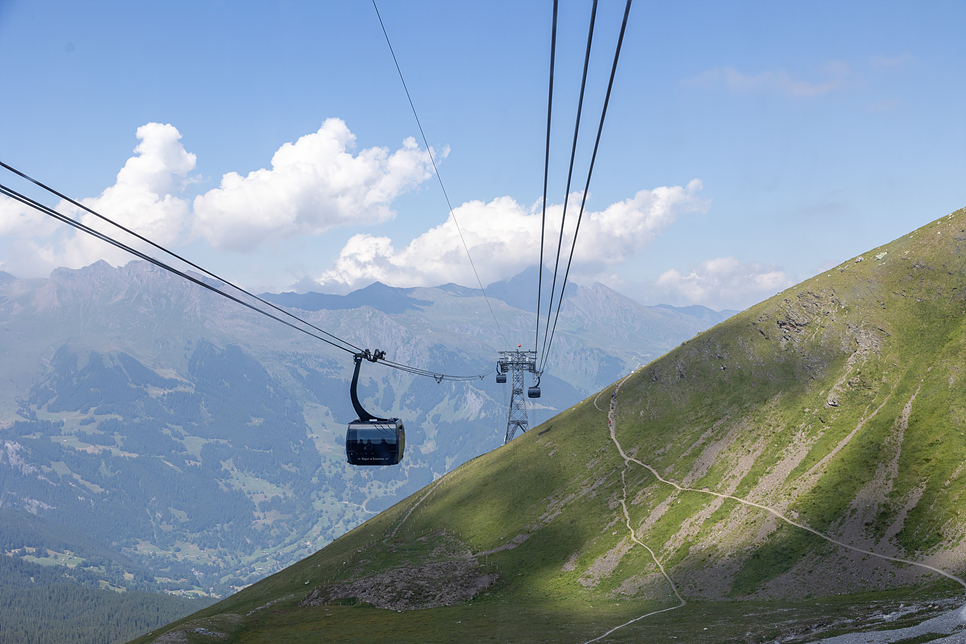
{"points": [[99, 235], [546, 172], [590, 171], [345, 345], [570, 172], [436, 170], [172, 254]]}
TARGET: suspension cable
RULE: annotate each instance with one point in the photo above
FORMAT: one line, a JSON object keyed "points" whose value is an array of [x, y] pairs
{"points": [[546, 172], [27, 201], [570, 172], [436, 170], [590, 171], [172, 254], [106, 238]]}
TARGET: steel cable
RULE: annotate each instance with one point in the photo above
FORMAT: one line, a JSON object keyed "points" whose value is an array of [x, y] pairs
{"points": [[106, 238], [590, 171], [9, 192], [171, 253], [436, 170], [570, 172], [546, 172]]}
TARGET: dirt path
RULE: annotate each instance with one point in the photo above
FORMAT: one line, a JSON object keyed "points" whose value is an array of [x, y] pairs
{"points": [[627, 520], [956, 617], [414, 506]]}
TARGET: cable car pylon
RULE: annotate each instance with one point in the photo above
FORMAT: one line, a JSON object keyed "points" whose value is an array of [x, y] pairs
{"points": [[515, 363]]}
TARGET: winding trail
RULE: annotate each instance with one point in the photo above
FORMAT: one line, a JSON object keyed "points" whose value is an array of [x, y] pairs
{"points": [[411, 509], [612, 425], [627, 520], [598, 396]]}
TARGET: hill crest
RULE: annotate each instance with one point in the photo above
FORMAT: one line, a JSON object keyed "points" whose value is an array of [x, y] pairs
{"points": [[837, 404]]}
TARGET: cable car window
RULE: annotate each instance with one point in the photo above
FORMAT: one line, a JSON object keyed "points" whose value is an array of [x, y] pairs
{"points": [[375, 443]]}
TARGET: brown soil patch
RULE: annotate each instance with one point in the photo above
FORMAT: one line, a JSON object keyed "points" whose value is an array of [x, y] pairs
{"points": [[411, 588]]}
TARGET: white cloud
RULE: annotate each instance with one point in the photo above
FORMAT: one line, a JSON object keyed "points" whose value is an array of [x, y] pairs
{"points": [[721, 283], [626, 227], [773, 81], [141, 199], [503, 238], [315, 184], [18, 219]]}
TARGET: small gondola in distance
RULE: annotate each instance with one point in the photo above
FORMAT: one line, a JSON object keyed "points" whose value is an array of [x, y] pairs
{"points": [[534, 391]]}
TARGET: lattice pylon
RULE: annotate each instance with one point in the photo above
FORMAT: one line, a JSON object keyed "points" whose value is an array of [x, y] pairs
{"points": [[515, 363]]}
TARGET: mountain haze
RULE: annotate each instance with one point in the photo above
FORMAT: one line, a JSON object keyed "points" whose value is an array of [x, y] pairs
{"points": [[203, 442], [806, 457]]}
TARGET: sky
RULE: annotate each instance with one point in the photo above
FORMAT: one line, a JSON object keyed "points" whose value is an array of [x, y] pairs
{"points": [[747, 146]]}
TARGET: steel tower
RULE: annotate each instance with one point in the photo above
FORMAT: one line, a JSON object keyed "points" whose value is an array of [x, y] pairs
{"points": [[515, 363]]}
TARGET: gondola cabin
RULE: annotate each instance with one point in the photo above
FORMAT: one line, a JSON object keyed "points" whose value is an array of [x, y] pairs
{"points": [[533, 392], [501, 378], [375, 442], [370, 440]]}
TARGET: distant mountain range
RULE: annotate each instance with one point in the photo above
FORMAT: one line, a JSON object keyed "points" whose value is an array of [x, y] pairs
{"points": [[796, 472], [203, 442]]}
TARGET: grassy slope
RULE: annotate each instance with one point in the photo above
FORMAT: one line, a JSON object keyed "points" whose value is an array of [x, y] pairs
{"points": [[750, 408]]}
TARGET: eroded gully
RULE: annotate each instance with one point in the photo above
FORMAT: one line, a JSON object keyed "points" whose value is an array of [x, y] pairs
{"points": [[954, 618]]}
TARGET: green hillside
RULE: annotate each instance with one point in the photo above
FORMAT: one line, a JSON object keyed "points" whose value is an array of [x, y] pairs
{"points": [[205, 442], [839, 404]]}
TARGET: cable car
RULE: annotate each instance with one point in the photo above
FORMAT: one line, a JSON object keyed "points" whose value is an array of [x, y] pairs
{"points": [[534, 391], [375, 442], [500, 378], [370, 440]]}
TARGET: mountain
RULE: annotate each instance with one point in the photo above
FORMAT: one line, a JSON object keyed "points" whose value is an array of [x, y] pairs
{"points": [[60, 585], [204, 442], [797, 471], [377, 295], [521, 290]]}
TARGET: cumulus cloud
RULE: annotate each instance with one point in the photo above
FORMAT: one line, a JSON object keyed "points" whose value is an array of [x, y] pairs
{"points": [[720, 283], [624, 228], [141, 199], [315, 184], [780, 81], [503, 238], [18, 219]]}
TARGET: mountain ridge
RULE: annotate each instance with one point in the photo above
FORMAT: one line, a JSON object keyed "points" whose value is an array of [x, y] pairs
{"points": [[838, 403], [223, 429]]}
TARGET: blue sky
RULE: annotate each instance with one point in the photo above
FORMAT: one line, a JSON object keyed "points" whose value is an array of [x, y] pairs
{"points": [[748, 145]]}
